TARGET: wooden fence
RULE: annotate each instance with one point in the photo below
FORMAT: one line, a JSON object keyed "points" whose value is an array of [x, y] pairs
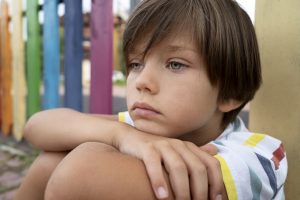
{"points": [[25, 66]]}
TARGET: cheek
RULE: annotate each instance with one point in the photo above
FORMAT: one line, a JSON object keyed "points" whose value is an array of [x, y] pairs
{"points": [[130, 91], [193, 105]]}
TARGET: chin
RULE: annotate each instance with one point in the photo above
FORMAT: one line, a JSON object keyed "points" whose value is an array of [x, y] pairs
{"points": [[153, 129]]}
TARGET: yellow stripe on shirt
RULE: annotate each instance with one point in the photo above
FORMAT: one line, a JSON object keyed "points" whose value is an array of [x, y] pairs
{"points": [[121, 117], [254, 139], [228, 179]]}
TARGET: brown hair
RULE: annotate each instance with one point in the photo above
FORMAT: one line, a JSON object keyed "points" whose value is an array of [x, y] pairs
{"points": [[223, 33]]}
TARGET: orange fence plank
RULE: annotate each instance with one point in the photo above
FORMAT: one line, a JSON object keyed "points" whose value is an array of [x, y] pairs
{"points": [[6, 75]]}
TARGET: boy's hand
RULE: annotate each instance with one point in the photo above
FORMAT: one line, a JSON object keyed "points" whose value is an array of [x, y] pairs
{"points": [[193, 172]]}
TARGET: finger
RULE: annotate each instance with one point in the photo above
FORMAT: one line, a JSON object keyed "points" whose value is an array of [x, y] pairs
{"points": [[210, 149], [177, 170], [197, 171], [215, 178], [152, 161]]}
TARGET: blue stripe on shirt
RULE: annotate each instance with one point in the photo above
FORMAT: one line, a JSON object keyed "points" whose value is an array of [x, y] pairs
{"points": [[256, 185], [266, 164]]}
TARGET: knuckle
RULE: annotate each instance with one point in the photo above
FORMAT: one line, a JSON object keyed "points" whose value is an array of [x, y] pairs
{"points": [[179, 166], [149, 146], [190, 144], [163, 143], [178, 142], [216, 163], [149, 151], [183, 196], [201, 169]]}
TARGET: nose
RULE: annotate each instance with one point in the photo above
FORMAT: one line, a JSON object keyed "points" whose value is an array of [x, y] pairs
{"points": [[148, 80]]}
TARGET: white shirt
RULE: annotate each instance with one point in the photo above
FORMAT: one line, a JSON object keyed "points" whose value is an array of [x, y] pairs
{"points": [[254, 166]]}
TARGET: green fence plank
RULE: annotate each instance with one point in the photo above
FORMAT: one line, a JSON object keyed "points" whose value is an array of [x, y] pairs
{"points": [[33, 61]]}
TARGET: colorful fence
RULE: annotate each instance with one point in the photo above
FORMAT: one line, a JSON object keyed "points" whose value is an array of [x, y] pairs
{"points": [[27, 65]]}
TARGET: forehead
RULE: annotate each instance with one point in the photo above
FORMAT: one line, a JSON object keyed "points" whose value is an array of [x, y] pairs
{"points": [[155, 22], [170, 43]]}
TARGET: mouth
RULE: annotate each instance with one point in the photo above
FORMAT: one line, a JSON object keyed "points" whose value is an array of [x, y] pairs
{"points": [[143, 110]]}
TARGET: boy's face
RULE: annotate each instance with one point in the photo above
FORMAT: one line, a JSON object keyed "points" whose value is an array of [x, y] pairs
{"points": [[169, 93]]}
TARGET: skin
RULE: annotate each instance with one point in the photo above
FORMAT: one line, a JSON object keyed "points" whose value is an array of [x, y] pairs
{"points": [[172, 80], [34, 185], [160, 86]]}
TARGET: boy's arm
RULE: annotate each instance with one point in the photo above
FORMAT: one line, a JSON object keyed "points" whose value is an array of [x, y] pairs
{"points": [[64, 129], [105, 171]]}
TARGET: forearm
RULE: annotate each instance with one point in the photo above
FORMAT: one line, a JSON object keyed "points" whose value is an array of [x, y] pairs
{"points": [[64, 129], [105, 171]]}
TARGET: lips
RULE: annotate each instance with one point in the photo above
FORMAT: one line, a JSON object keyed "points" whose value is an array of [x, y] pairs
{"points": [[143, 110]]}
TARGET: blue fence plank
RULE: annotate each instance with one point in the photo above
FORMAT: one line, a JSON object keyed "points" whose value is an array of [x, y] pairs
{"points": [[51, 54], [73, 53]]}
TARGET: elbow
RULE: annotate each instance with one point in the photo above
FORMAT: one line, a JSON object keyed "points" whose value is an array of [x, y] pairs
{"points": [[38, 128], [29, 130]]}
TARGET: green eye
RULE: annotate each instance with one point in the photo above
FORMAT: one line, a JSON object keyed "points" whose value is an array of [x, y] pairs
{"points": [[175, 66], [135, 66]]}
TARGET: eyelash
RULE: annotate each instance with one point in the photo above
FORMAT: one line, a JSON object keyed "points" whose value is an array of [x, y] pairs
{"points": [[178, 64], [136, 66]]}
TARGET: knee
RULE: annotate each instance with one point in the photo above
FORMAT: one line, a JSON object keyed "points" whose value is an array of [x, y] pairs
{"points": [[34, 184], [45, 163], [60, 183], [67, 181]]}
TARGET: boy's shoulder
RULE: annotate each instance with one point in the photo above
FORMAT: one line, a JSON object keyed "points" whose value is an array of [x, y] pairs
{"points": [[254, 159], [236, 132], [238, 138]]}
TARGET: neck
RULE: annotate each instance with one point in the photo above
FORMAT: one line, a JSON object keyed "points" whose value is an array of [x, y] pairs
{"points": [[205, 134]]}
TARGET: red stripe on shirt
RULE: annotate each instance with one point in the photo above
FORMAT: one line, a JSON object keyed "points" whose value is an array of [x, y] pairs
{"points": [[278, 155]]}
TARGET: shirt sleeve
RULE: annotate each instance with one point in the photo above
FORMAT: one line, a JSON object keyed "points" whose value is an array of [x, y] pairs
{"points": [[125, 117], [254, 166]]}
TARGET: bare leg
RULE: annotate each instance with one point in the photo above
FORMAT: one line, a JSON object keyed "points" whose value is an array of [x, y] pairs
{"points": [[98, 171], [34, 185]]}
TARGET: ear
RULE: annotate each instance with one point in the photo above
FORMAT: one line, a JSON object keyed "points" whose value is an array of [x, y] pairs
{"points": [[229, 105]]}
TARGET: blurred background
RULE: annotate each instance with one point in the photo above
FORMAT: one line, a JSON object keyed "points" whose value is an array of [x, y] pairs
{"points": [[68, 53]]}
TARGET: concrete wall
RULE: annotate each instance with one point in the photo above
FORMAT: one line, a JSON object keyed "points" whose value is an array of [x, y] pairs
{"points": [[276, 108]]}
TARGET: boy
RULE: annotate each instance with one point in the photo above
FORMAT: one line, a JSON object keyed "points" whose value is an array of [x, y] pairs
{"points": [[192, 66]]}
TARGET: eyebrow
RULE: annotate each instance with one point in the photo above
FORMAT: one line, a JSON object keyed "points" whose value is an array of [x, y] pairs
{"points": [[169, 48], [175, 48]]}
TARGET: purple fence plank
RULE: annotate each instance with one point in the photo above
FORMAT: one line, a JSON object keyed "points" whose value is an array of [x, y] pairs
{"points": [[101, 57]]}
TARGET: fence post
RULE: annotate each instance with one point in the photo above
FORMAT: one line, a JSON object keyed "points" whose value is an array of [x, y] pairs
{"points": [[1, 18], [6, 71], [51, 54], [33, 58], [73, 23], [101, 57], [19, 88]]}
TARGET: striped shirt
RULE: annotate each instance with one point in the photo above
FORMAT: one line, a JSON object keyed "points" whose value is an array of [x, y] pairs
{"points": [[254, 165]]}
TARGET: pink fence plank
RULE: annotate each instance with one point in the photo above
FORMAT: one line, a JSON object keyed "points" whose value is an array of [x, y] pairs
{"points": [[101, 57]]}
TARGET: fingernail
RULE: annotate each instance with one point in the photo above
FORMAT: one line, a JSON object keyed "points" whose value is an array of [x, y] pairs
{"points": [[161, 193], [219, 197]]}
